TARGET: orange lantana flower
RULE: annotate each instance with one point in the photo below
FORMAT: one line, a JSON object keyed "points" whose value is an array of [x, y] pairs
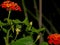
{"points": [[54, 39], [9, 5]]}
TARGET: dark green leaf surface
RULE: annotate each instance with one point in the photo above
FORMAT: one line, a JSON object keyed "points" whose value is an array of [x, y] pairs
{"points": [[23, 41]]}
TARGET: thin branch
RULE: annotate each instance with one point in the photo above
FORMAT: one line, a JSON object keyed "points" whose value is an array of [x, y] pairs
{"points": [[54, 29], [37, 20], [25, 12], [40, 13], [35, 7], [47, 30], [40, 21]]}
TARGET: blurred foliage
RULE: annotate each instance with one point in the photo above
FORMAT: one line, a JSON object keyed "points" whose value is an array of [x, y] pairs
{"points": [[14, 27]]}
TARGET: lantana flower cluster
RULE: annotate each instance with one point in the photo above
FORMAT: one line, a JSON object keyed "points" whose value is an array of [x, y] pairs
{"points": [[9, 5], [54, 39]]}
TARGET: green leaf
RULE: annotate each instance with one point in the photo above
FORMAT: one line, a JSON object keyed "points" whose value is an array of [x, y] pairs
{"points": [[10, 22], [28, 28], [12, 28], [42, 29], [5, 30], [2, 24], [23, 41], [44, 43], [37, 30], [17, 21], [18, 26], [26, 21], [34, 30]]}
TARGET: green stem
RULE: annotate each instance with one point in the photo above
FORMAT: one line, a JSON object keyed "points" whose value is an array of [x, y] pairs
{"points": [[35, 41], [7, 37], [9, 15], [15, 37], [25, 11]]}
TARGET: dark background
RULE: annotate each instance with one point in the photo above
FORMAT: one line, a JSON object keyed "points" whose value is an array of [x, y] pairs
{"points": [[50, 9]]}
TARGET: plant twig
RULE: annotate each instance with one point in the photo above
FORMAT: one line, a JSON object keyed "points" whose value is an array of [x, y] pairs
{"points": [[35, 6], [47, 30], [37, 19], [25, 11], [7, 37], [40, 21], [54, 29]]}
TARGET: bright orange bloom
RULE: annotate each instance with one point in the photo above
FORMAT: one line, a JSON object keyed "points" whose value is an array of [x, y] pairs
{"points": [[9, 5], [7, 0], [54, 39]]}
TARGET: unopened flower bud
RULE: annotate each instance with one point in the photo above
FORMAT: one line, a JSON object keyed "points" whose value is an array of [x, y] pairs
{"points": [[38, 37], [17, 31], [31, 23]]}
